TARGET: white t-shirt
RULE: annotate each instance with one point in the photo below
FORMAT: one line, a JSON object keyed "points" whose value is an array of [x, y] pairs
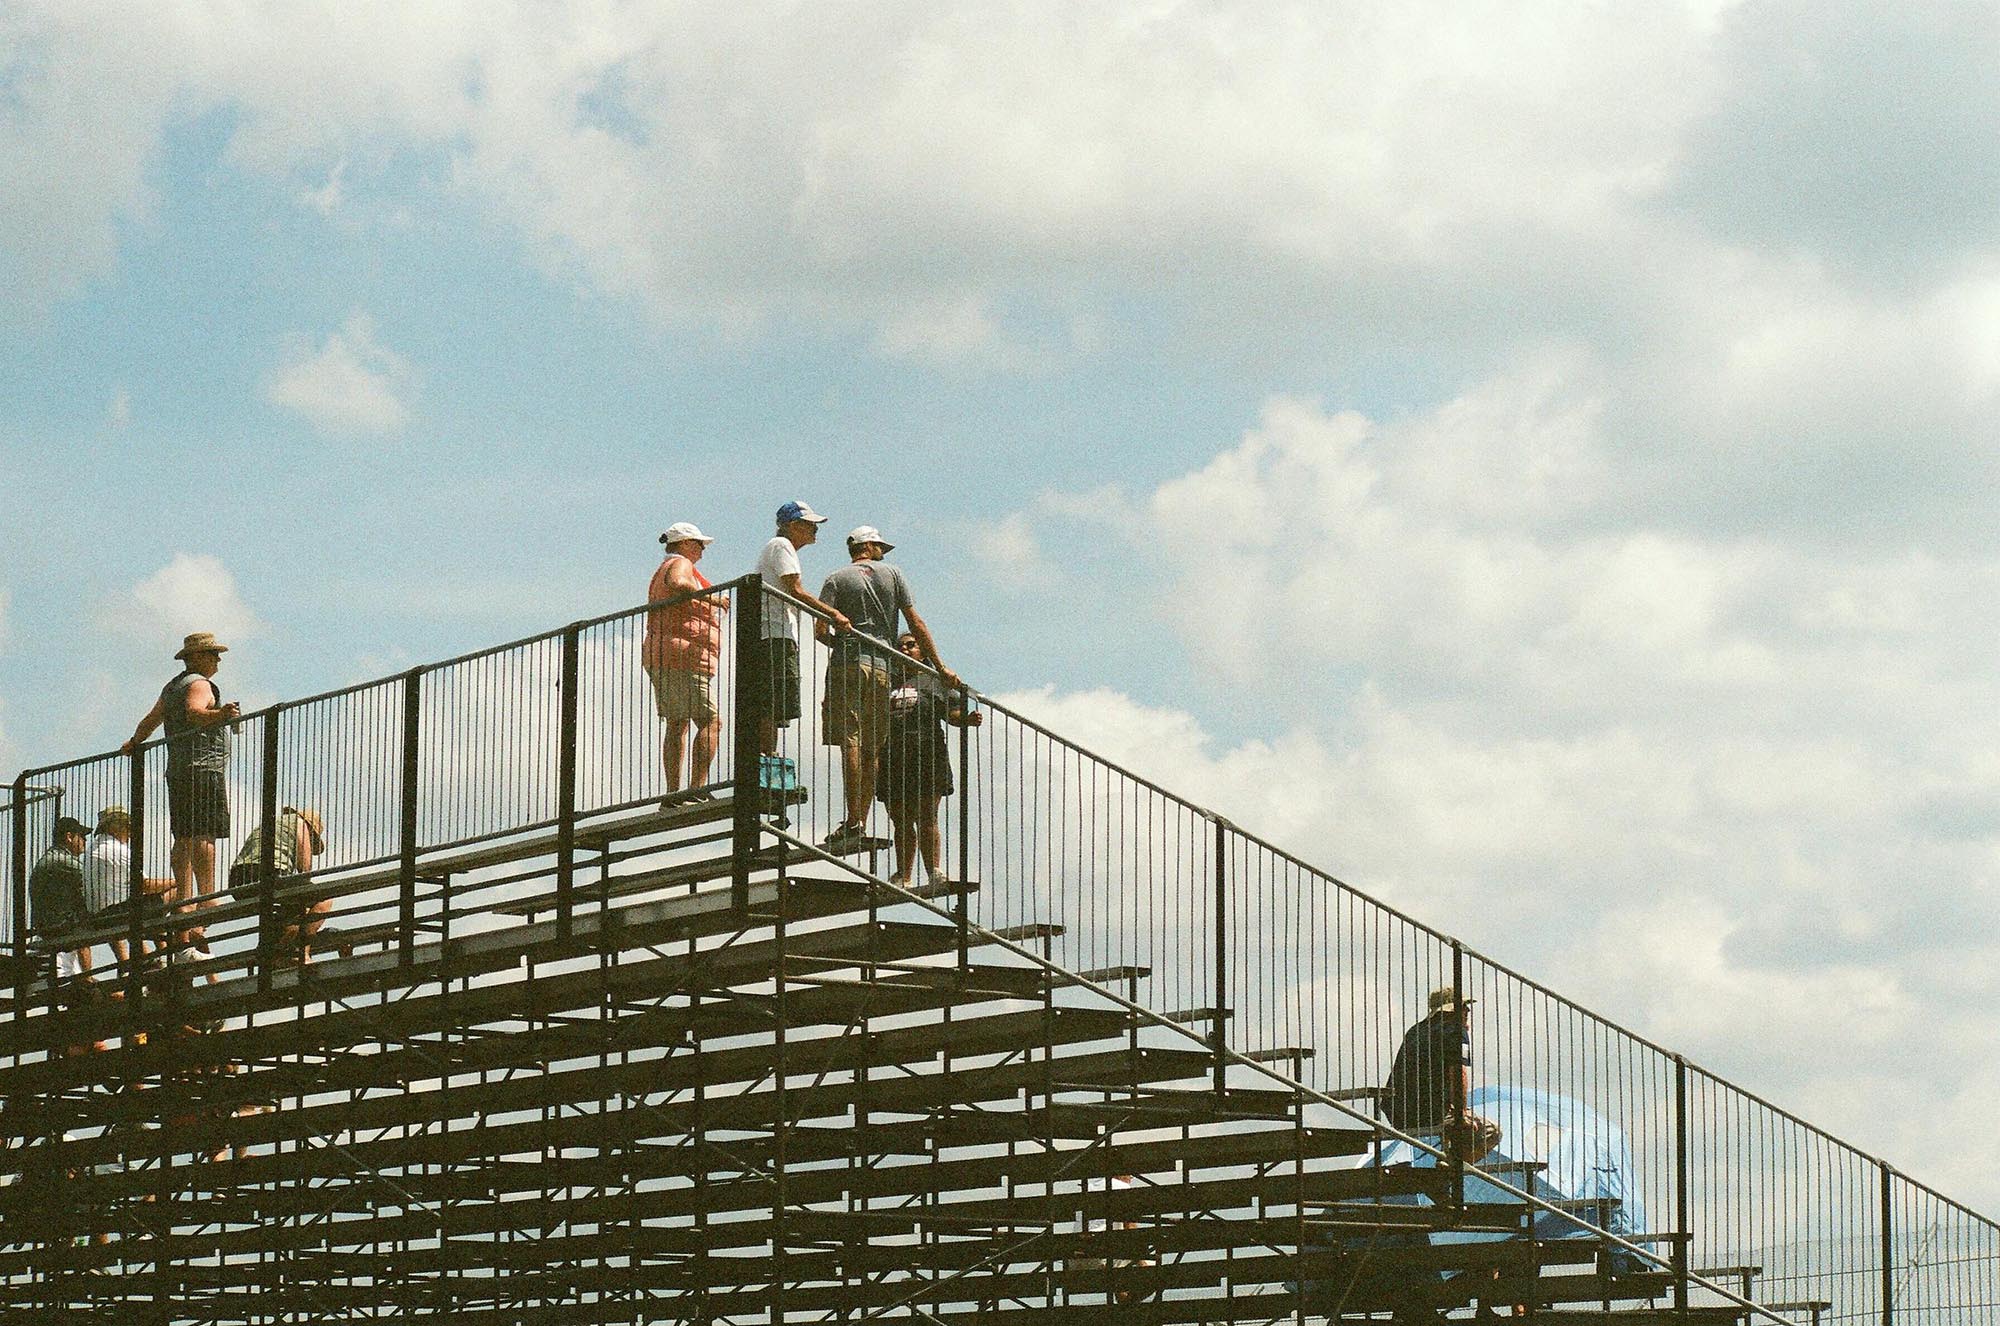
{"points": [[107, 872], [778, 560]]}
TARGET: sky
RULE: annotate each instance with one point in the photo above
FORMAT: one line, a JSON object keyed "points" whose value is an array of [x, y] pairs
{"points": [[1536, 461]]}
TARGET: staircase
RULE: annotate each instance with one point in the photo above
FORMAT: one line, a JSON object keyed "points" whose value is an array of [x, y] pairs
{"points": [[567, 1053]]}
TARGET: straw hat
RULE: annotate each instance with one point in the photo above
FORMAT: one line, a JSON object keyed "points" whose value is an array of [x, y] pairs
{"points": [[201, 642], [1444, 999], [314, 823]]}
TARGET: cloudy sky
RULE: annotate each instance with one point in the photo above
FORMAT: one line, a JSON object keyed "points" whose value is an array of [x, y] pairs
{"points": [[1535, 460]]}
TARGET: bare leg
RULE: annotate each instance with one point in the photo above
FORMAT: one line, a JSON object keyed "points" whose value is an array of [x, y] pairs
{"points": [[201, 854], [857, 776], [182, 859], [906, 843], [704, 753], [767, 736], [931, 841], [301, 933], [673, 749]]}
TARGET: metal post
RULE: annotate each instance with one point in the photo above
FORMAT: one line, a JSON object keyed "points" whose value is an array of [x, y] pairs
{"points": [[751, 705], [1683, 1231], [1888, 1244], [406, 911], [1455, 1127], [961, 906], [566, 790], [1218, 1029], [267, 858], [20, 891], [136, 889]]}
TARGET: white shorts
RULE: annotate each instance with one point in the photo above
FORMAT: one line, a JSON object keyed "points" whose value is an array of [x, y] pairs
{"points": [[67, 964]]}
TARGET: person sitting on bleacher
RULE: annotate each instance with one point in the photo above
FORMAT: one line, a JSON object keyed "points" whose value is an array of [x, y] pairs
{"points": [[107, 876], [300, 840], [1431, 1079], [55, 897]]}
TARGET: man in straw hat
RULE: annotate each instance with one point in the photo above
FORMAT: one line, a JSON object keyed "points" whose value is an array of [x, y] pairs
{"points": [[1431, 1079], [197, 721]]}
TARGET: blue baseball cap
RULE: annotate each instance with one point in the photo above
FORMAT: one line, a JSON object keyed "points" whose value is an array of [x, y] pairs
{"points": [[792, 511]]}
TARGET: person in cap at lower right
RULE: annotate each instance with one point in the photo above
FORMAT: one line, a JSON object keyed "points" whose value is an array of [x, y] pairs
{"points": [[1431, 1079]]}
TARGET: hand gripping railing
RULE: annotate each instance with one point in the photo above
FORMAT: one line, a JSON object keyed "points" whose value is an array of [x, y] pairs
{"points": [[1250, 949]]}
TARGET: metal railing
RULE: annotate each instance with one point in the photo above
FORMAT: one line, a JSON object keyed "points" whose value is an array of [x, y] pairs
{"points": [[1236, 938]]}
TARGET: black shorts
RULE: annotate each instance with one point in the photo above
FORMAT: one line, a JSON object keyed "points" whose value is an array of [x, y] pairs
{"points": [[780, 680], [198, 804]]}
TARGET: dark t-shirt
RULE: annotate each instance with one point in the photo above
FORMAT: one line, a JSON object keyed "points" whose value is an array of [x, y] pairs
{"points": [[1420, 1090], [190, 747], [55, 891]]}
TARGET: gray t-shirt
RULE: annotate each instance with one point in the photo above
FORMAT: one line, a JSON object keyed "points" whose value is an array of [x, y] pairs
{"points": [[871, 594]]}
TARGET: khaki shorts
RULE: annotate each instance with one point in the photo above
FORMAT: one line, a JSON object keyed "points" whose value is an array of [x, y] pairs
{"points": [[682, 696], [856, 707]]}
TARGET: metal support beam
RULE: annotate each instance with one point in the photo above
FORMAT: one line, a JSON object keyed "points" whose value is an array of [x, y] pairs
{"points": [[406, 910], [1218, 1030], [566, 789], [20, 892], [135, 890], [746, 738], [1682, 1198], [1888, 1177], [267, 857]]}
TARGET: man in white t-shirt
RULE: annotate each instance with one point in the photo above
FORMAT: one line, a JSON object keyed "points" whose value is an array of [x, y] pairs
{"points": [[778, 565], [107, 875]]}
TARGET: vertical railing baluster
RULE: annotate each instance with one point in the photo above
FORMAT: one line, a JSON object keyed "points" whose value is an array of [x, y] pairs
{"points": [[1219, 1030], [960, 906], [1888, 1177], [750, 703], [23, 969], [566, 789], [1457, 1127], [406, 909], [267, 858], [1683, 1235], [136, 891]]}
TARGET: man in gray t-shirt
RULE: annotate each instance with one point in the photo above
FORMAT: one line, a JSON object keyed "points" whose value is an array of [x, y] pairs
{"points": [[855, 717]]}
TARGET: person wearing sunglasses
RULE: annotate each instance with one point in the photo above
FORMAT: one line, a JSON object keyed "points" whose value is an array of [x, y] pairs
{"points": [[913, 776]]}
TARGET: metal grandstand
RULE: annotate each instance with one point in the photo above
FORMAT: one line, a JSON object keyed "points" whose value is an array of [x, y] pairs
{"points": [[569, 1052]]}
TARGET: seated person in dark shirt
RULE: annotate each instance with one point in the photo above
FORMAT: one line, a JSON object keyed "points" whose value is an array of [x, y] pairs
{"points": [[1432, 1077], [55, 896]]}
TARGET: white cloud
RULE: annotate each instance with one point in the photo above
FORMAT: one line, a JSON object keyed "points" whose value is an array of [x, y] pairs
{"points": [[350, 385], [944, 333], [326, 199], [193, 592], [1007, 548]]}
